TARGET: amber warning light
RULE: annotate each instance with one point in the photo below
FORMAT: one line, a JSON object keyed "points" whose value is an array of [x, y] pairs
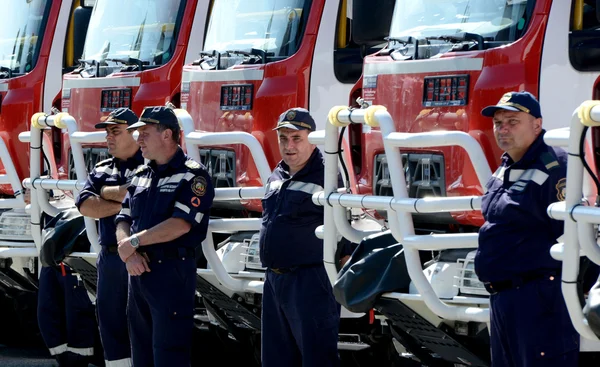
{"points": [[446, 91], [115, 98]]}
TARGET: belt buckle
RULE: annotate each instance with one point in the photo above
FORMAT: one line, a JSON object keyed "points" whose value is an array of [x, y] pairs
{"points": [[488, 287], [278, 271]]}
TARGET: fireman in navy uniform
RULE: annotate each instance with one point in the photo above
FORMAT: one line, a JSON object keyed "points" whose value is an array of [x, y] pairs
{"points": [[66, 316], [163, 220], [101, 198], [300, 316], [530, 325]]}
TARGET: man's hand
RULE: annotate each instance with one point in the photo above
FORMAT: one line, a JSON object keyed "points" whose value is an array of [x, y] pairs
{"points": [[27, 196], [125, 249], [137, 264], [344, 260]]}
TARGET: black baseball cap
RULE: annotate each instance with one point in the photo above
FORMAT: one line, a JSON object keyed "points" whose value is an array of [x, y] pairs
{"points": [[156, 115], [517, 102], [296, 119], [121, 115]]}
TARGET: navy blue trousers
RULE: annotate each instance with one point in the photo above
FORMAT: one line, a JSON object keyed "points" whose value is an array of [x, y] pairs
{"points": [[66, 316], [161, 313], [530, 326], [111, 308], [300, 319]]}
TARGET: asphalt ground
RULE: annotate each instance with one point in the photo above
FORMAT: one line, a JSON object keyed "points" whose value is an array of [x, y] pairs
{"points": [[38, 355], [229, 352], [25, 357]]}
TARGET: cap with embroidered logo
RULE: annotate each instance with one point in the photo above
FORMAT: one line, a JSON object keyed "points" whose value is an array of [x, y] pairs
{"points": [[121, 115], [156, 115], [296, 119], [517, 102]]}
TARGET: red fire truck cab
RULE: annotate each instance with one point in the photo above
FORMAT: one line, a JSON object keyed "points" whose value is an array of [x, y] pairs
{"points": [[133, 56], [261, 58], [445, 61], [41, 40]]}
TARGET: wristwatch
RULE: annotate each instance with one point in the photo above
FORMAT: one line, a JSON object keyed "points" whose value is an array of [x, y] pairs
{"points": [[135, 241]]}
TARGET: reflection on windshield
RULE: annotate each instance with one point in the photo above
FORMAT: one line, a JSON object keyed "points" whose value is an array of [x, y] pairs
{"points": [[21, 33], [274, 26], [498, 20], [138, 29]]}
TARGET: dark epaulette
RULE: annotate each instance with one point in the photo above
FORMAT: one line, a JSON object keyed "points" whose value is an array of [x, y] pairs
{"points": [[192, 164], [549, 161], [104, 162], [141, 168]]}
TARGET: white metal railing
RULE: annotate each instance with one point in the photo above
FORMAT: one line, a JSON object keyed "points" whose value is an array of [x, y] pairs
{"points": [[39, 185], [580, 235], [400, 207], [193, 140]]}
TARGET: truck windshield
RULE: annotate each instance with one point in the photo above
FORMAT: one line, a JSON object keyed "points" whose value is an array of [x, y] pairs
{"points": [[274, 26], [21, 32], [142, 30], [500, 21]]}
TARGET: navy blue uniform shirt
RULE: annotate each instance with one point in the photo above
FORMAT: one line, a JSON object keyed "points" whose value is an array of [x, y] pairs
{"points": [[518, 233], [109, 172], [180, 188], [287, 233]]}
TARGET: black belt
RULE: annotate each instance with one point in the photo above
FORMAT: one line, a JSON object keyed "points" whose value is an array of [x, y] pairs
{"points": [[170, 253], [113, 249], [503, 285], [294, 268]]}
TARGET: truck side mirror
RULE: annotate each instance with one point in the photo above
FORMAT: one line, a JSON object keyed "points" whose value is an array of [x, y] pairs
{"points": [[81, 20], [371, 24]]}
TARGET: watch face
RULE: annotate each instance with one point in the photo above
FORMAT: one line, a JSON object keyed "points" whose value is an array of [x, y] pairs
{"points": [[135, 242]]}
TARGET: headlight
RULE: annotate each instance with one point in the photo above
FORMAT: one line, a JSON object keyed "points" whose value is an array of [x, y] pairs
{"points": [[468, 282], [253, 253], [15, 225]]}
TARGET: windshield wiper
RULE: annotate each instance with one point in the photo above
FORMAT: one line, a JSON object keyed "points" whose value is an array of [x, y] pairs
{"points": [[5, 73], [130, 61], [92, 63], [460, 37], [257, 56], [208, 54], [409, 40], [403, 40]]}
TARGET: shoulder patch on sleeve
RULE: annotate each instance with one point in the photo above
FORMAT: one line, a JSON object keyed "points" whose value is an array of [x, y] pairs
{"points": [[199, 185], [549, 161], [561, 189], [192, 164], [104, 162]]}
